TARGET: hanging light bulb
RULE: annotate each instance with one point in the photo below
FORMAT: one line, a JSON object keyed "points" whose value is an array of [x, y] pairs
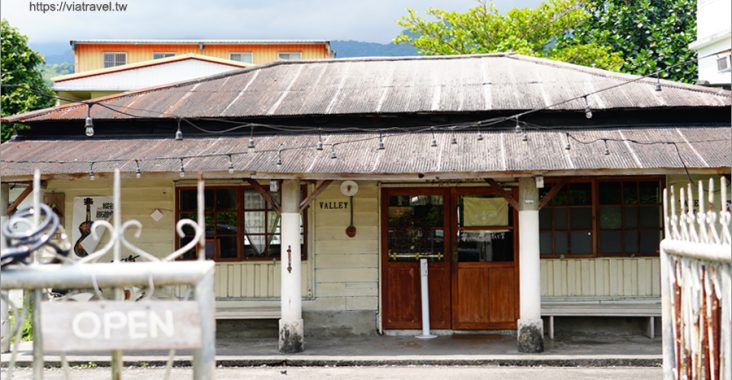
{"points": [[251, 139], [231, 165], [320, 140], [434, 139], [88, 122], [92, 177], [181, 171], [588, 111], [517, 128], [332, 152], [381, 141], [525, 138], [607, 151], [567, 147], [658, 82], [279, 156], [480, 133], [178, 133], [138, 172], [453, 139]]}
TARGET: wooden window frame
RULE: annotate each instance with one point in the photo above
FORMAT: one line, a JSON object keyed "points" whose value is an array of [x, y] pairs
{"points": [[240, 210], [167, 54], [595, 207], [242, 52], [289, 52], [104, 60]]}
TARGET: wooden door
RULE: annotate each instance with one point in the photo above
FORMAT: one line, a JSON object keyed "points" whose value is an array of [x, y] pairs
{"points": [[484, 257], [415, 224]]}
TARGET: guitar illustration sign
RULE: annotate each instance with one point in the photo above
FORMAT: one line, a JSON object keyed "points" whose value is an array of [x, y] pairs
{"points": [[86, 210]]}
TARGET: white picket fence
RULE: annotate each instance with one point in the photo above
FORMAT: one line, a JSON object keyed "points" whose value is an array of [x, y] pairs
{"points": [[696, 290]]}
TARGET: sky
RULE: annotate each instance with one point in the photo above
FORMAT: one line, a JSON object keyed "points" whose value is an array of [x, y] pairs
{"points": [[362, 20]]}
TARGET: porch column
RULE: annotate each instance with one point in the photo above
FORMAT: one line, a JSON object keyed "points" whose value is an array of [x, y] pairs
{"points": [[291, 325], [4, 320], [530, 327]]}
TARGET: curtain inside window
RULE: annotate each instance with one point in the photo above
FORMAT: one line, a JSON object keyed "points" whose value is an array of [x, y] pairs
{"points": [[259, 235]]}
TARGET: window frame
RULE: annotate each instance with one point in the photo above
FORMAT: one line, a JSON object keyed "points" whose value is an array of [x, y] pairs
{"points": [[166, 54], [240, 210], [595, 207], [104, 58], [279, 53], [251, 54]]}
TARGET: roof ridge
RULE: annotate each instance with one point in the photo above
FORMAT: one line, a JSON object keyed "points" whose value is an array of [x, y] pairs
{"points": [[618, 75]]}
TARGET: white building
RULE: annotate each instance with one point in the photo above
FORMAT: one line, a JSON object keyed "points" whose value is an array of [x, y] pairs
{"points": [[714, 42]]}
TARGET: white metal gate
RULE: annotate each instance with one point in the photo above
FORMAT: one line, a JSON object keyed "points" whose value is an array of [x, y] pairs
{"points": [[157, 320], [696, 287]]}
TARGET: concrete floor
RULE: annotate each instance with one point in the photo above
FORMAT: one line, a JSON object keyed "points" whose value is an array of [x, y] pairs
{"points": [[458, 349]]}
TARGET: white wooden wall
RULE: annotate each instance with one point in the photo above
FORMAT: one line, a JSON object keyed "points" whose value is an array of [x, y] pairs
{"points": [[255, 279], [634, 277]]}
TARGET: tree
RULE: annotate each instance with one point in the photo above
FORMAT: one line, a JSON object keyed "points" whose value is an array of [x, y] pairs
{"points": [[650, 35], [22, 82], [525, 31]]}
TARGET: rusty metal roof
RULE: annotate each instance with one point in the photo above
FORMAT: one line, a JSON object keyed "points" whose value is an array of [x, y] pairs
{"points": [[632, 150], [392, 85]]}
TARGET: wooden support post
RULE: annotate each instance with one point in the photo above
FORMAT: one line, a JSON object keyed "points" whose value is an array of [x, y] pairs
{"points": [[13, 206], [307, 201], [505, 194], [267, 196], [552, 193]]}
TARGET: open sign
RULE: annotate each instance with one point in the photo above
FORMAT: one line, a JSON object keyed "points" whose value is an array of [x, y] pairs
{"points": [[120, 325]]}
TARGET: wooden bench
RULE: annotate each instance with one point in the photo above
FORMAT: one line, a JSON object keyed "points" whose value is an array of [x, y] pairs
{"points": [[242, 310], [649, 307]]}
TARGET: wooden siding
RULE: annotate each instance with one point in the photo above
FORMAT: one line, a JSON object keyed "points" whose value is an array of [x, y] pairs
{"points": [[257, 279], [91, 57], [631, 277]]}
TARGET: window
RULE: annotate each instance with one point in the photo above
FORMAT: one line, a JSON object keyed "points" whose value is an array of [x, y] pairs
{"points": [[240, 224], [114, 59], [162, 55], [289, 56], [627, 218], [242, 57], [565, 224]]}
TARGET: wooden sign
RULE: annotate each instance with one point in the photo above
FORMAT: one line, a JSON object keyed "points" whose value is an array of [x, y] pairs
{"points": [[120, 325]]}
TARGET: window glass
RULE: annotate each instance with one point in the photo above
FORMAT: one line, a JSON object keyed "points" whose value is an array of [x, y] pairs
{"points": [[609, 193], [485, 246], [482, 210], [415, 227], [630, 193], [650, 217], [242, 57], [580, 217], [649, 242], [648, 192], [610, 241], [162, 55], [610, 217], [630, 241], [561, 244], [289, 56], [545, 243], [560, 218], [114, 59], [581, 242]]}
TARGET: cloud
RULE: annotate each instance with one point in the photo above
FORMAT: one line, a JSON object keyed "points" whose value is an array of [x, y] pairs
{"points": [[364, 20]]}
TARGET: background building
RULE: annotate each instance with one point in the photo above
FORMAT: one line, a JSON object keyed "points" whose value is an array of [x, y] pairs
{"points": [[714, 42]]}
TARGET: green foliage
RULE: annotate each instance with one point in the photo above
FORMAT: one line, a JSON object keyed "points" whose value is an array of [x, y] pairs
{"points": [[650, 34], [56, 69], [20, 68], [525, 31]]}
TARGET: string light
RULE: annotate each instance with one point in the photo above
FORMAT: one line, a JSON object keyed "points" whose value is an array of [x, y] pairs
{"points": [[332, 152], [434, 139], [607, 151], [251, 138], [320, 139], [453, 140], [231, 165], [178, 133], [480, 133], [88, 122], [279, 156], [138, 172], [181, 171], [588, 111], [517, 128], [658, 82], [91, 172], [567, 147], [381, 141]]}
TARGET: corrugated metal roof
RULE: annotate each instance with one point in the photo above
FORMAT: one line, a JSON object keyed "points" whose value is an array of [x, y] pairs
{"points": [[477, 83], [701, 147], [196, 42]]}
